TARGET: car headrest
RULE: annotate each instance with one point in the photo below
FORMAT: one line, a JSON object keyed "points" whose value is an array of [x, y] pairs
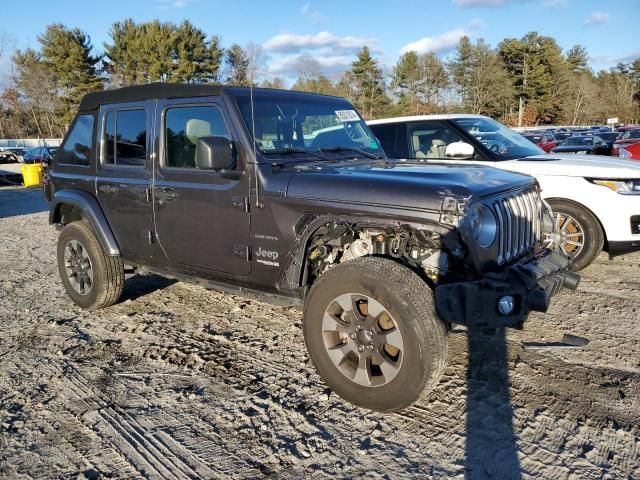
{"points": [[197, 128]]}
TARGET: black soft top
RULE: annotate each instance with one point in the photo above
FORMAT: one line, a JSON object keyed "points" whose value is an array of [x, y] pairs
{"points": [[159, 90], [149, 91]]}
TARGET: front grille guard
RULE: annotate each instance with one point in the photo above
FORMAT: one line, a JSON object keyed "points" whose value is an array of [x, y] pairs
{"points": [[519, 217]]}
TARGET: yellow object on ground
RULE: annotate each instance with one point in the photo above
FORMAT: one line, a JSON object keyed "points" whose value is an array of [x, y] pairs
{"points": [[32, 174]]}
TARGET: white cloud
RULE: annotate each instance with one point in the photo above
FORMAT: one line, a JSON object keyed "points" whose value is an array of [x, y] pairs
{"points": [[312, 15], [438, 44], [479, 3], [299, 64], [596, 18], [445, 41], [167, 4], [555, 3], [290, 43]]}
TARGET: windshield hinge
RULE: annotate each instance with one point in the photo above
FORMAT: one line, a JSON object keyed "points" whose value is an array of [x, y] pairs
{"points": [[240, 203]]}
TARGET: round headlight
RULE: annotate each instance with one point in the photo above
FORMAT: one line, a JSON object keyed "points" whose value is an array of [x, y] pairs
{"points": [[483, 225]]}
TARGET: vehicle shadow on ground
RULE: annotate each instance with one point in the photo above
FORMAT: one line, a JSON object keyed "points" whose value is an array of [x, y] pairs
{"points": [[491, 448], [21, 201], [138, 286]]}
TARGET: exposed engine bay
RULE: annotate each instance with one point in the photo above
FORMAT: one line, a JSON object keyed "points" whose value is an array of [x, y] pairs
{"points": [[421, 249]]}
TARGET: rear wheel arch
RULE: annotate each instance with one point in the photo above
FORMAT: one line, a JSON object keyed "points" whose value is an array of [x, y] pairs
{"points": [[70, 205]]}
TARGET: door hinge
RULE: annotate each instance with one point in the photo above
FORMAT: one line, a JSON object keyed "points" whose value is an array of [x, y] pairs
{"points": [[149, 235], [147, 194], [241, 251], [240, 203]]}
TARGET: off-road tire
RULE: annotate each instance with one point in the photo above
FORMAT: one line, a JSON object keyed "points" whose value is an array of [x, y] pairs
{"points": [[593, 234], [410, 301], [108, 271]]}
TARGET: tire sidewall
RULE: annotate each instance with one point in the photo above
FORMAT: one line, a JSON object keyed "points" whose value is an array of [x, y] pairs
{"points": [[82, 233], [406, 387]]}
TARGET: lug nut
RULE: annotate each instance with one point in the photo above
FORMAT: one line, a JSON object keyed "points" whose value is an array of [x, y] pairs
{"points": [[353, 336], [360, 348], [370, 347]]}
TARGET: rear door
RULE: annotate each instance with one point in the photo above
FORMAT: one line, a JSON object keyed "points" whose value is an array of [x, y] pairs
{"points": [[123, 177], [201, 217]]}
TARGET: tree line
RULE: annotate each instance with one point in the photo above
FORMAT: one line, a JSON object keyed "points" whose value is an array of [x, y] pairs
{"points": [[527, 81]]}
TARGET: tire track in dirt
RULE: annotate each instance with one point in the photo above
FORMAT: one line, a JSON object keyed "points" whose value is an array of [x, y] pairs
{"points": [[155, 454]]}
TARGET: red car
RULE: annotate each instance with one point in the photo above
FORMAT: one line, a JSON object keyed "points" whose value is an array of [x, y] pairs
{"points": [[629, 137], [630, 152], [545, 141]]}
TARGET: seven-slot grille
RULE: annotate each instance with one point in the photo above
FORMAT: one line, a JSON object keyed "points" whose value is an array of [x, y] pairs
{"points": [[519, 217]]}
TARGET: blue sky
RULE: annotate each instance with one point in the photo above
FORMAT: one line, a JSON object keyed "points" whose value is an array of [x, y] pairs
{"points": [[331, 31]]}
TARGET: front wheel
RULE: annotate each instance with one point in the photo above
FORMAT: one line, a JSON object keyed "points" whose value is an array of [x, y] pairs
{"points": [[373, 334], [577, 232]]}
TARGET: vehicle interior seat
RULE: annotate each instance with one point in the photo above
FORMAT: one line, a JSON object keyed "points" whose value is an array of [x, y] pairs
{"points": [[184, 156]]}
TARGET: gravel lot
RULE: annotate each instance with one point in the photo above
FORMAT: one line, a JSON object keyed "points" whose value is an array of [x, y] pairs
{"points": [[177, 381]]}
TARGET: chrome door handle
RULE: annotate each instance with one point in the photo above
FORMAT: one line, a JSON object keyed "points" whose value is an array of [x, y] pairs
{"points": [[108, 188], [166, 194]]}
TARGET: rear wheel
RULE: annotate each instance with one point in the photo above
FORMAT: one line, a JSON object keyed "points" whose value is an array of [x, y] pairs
{"points": [[91, 278], [577, 232], [372, 332]]}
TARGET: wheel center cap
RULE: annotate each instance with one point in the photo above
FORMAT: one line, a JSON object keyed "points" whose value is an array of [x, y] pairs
{"points": [[364, 337]]}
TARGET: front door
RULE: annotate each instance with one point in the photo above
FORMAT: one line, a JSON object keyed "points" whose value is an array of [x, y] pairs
{"points": [[201, 216], [123, 177], [427, 141]]}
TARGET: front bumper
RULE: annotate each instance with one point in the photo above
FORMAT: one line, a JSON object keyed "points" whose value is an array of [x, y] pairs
{"points": [[531, 284]]}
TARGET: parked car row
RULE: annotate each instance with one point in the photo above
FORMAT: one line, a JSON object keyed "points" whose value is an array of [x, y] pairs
{"points": [[597, 140], [596, 199], [25, 155]]}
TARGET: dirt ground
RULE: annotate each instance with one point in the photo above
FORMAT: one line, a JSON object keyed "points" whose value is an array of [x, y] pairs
{"points": [[177, 381]]}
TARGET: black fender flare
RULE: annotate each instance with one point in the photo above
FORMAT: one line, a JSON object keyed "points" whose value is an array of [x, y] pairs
{"points": [[92, 211]]}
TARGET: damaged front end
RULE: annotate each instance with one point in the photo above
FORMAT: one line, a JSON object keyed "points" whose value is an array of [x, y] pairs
{"points": [[508, 238]]}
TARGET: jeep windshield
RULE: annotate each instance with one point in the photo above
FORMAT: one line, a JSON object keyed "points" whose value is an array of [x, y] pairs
{"points": [[501, 141], [299, 125]]}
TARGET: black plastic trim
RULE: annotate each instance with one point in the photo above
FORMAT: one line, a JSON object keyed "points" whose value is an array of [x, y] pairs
{"points": [[92, 211]]}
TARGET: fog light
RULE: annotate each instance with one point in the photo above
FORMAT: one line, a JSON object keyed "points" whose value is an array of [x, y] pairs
{"points": [[505, 305]]}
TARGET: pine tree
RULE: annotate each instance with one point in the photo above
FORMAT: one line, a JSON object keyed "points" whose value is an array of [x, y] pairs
{"points": [[368, 85], [67, 56], [578, 59], [237, 64]]}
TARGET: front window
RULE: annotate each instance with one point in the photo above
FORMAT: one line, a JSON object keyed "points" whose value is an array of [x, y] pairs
{"points": [[577, 141], [501, 141], [184, 126], [430, 139], [305, 123], [630, 134]]}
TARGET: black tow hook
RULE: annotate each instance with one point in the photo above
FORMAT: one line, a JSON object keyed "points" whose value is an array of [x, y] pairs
{"points": [[571, 281]]}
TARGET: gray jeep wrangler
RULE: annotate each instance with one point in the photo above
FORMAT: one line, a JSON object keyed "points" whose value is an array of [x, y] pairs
{"points": [[289, 197]]}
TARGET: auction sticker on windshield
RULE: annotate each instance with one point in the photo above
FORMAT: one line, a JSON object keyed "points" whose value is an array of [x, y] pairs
{"points": [[347, 115]]}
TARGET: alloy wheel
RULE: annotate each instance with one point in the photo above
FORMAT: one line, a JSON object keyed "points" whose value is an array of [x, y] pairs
{"points": [[78, 268], [362, 339]]}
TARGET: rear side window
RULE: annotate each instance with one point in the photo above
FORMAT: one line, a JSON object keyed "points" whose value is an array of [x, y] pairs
{"points": [[76, 150], [126, 138], [184, 126], [386, 133]]}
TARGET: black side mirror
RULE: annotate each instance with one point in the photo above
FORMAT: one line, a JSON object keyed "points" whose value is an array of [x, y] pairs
{"points": [[214, 153]]}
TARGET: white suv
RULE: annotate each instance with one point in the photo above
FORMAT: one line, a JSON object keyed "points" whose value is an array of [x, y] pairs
{"points": [[596, 199]]}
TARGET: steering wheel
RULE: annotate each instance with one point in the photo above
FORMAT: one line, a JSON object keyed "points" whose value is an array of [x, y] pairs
{"points": [[495, 148]]}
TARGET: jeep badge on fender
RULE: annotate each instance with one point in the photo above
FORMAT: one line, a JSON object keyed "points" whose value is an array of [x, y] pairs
{"points": [[289, 196]]}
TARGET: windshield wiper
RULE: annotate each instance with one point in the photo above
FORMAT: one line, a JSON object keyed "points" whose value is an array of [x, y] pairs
{"points": [[359, 151], [292, 150]]}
